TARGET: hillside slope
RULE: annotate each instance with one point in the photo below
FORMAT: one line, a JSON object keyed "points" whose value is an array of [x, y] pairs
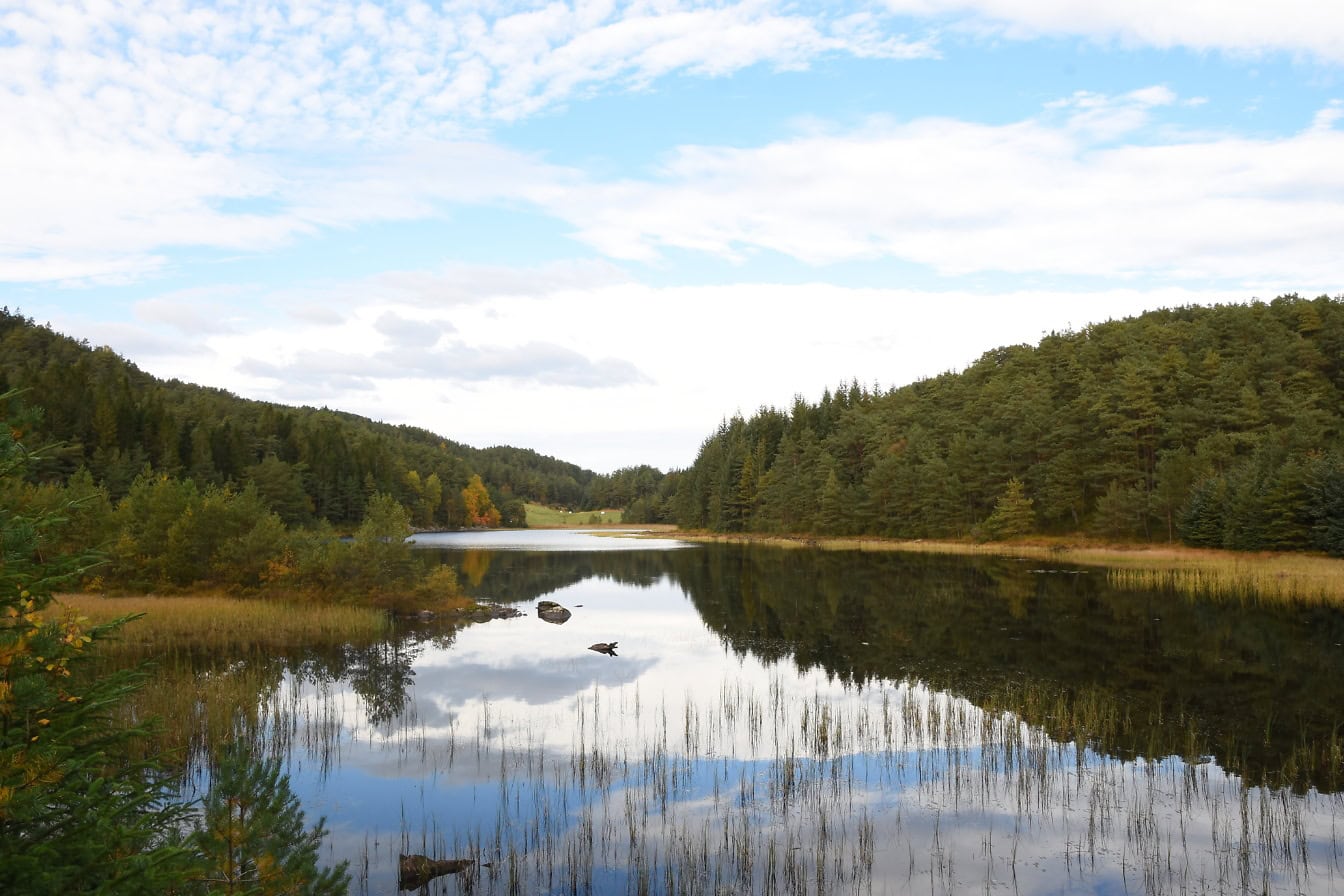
{"points": [[1220, 426], [116, 420]]}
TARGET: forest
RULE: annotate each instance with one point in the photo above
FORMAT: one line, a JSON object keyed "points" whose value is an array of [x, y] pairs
{"points": [[117, 423], [1215, 426]]}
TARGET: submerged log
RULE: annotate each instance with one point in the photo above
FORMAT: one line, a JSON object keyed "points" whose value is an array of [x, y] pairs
{"points": [[413, 872]]}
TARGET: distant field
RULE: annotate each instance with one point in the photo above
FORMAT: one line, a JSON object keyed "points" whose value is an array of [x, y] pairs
{"points": [[540, 517]]}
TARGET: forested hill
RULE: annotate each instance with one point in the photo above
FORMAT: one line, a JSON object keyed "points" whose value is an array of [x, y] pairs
{"points": [[116, 420], [1219, 426]]}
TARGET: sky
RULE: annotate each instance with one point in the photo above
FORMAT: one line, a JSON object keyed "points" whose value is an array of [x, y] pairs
{"points": [[598, 229]]}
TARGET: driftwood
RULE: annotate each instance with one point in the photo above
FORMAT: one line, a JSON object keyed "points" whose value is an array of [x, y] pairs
{"points": [[413, 872]]}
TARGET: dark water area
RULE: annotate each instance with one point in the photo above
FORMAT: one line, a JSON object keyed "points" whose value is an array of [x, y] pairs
{"points": [[803, 721]]}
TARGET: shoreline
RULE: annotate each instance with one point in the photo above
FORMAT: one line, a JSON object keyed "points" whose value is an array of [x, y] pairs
{"points": [[1197, 572]]}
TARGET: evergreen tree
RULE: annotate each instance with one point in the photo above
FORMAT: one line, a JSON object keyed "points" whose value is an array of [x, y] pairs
{"points": [[76, 814], [833, 510], [280, 486], [1012, 514], [252, 837], [1326, 490]]}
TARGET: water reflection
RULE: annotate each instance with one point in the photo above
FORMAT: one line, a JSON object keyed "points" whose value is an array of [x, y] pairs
{"points": [[802, 722]]}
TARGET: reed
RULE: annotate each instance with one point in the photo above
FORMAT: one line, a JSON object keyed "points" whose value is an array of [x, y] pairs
{"points": [[780, 786], [1192, 572], [202, 709], [1274, 579], [896, 789], [220, 625]]}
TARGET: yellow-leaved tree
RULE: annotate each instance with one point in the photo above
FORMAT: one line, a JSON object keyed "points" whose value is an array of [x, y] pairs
{"points": [[481, 510]]}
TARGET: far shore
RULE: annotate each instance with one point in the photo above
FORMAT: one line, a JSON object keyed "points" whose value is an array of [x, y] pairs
{"points": [[1206, 572]]}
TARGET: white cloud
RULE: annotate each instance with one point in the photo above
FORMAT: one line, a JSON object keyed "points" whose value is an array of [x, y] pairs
{"points": [[1054, 195], [458, 283], [1088, 187], [195, 312], [411, 333], [1307, 27], [180, 125], [308, 71], [92, 206], [535, 370], [177, 124]]}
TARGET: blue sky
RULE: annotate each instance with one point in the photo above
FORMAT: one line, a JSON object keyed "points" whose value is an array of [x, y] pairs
{"points": [[596, 229]]}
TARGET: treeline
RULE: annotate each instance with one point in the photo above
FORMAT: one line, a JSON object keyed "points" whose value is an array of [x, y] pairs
{"points": [[81, 809], [1218, 426], [643, 492], [118, 422], [168, 535]]}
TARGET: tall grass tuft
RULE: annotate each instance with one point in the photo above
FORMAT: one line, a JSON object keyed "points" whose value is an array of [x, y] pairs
{"points": [[217, 624], [1192, 572]]}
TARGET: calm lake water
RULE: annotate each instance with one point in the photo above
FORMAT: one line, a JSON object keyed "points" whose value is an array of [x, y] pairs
{"points": [[800, 721]]}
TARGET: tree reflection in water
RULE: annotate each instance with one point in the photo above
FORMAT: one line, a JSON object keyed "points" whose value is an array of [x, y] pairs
{"points": [[830, 722]]}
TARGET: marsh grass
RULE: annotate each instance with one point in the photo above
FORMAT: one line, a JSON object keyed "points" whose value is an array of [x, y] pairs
{"points": [[220, 625], [1250, 579], [215, 664], [1191, 572], [202, 708], [892, 789]]}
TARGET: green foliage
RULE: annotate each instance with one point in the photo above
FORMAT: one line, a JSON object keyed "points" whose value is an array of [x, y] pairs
{"points": [[1012, 514], [1201, 423], [280, 487], [1122, 512], [76, 815], [513, 514], [1326, 490], [385, 521], [172, 535], [644, 493], [305, 463], [252, 837], [77, 812]]}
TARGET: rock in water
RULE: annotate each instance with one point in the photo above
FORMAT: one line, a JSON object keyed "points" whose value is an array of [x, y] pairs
{"points": [[551, 611], [413, 872], [609, 648]]}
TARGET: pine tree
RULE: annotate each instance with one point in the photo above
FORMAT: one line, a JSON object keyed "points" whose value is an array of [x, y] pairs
{"points": [[76, 815], [834, 509], [252, 836], [1012, 514], [1326, 488]]}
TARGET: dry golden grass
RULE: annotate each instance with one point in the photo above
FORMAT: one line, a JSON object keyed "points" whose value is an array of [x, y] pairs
{"points": [[219, 623], [1195, 572]]}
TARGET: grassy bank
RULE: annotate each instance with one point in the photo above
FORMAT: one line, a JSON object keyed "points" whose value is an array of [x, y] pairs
{"points": [[541, 517], [217, 623], [1194, 572]]}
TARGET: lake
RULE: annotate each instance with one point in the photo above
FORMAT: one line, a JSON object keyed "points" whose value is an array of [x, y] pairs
{"points": [[823, 722]]}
